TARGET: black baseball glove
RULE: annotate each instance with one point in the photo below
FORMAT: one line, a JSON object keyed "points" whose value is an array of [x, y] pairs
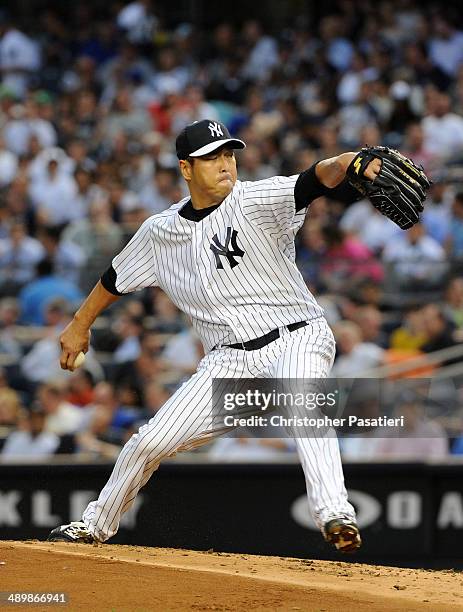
{"points": [[399, 190]]}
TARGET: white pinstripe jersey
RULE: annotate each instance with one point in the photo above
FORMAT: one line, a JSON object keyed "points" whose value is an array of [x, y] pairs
{"points": [[233, 273]]}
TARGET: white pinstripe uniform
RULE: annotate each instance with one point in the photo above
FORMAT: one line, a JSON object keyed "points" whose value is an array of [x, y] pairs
{"points": [[233, 272]]}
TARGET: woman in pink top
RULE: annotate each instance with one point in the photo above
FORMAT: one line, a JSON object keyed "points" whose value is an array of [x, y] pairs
{"points": [[347, 260]]}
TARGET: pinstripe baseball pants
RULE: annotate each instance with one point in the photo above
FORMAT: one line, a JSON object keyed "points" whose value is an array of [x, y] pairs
{"points": [[186, 421]]}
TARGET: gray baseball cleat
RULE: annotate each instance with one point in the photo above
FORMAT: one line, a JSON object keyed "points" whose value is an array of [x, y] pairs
{"points": [[343, 534], [74, 532]]}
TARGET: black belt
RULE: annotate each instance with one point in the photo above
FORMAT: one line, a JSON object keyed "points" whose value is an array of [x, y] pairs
{"points": [[258, 343]]}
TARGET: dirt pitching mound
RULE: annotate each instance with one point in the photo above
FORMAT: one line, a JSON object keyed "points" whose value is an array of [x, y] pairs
{"points": [[134, 578]]}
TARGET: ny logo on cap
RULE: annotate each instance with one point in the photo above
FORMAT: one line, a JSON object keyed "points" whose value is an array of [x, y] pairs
{"points": [[216, 129], [220, 250]]}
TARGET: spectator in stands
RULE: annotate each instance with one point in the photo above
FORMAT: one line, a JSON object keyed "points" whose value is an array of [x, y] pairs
{"points": [[370, 226], [171, 76], [34, 297], [439, 331], [130, 377], [370, 321], [355, 356], [415, 148], [18, 205], [86, 192], [453, 301], [9, 315], [261, 122], [19, 56], [61, 417], [27, 132], [54, 195], [353, 117], [402, 113], [32, 440], [80, 388], [98, 237], [443, 130], [195, 107], [114, 72], [138, 21], [134, 308], [19, 256], [437, 215], [156, 395], [446, 45], [123, 417], [262, 54], [411, 335], [167, 317], [68, 258], [228, 83], [454, 242], [420, 438], [457, 92], [10, 410], [251, 165], [124, 118], [157, 194], [132, 212], [8, 164], [42, 361], [78, 153], [348, 89], [328, 144], [128, 328], [346, 260], [93, 439], [370, 293], [337, 48], [419, 69], [310, 251], [86, 113], [417, 260], [183, 352], [38, 169]]}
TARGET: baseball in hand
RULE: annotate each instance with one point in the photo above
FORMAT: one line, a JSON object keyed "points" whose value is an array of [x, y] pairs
{"points": [[79, 360]]}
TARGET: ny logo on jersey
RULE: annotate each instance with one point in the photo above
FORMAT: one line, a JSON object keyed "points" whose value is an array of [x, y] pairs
{"points": [[223, 249], [216, 129]]}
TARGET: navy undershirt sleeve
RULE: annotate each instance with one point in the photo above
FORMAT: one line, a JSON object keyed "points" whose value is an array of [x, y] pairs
{"points": [[108, 280], [308, 188]]}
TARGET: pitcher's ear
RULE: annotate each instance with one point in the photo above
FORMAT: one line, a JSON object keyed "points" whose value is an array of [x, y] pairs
{"points": [[185, 166]]}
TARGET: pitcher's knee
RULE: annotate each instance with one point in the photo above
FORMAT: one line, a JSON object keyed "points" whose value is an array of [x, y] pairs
{"points": [[151, 444]]}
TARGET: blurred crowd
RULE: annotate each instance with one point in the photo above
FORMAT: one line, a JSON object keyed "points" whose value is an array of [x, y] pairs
{"points": [[90, 105]]}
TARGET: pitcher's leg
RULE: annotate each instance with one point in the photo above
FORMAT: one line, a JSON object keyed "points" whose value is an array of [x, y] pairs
{"points": [[184, 419], [188, 419], [309, 354], [321, 462]]}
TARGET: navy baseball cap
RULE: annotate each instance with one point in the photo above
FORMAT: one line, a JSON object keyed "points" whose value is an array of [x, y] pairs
{"points": [[203, 137]]}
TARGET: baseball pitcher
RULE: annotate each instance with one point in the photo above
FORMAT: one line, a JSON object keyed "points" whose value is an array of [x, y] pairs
{"points": [[225, 256]]}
